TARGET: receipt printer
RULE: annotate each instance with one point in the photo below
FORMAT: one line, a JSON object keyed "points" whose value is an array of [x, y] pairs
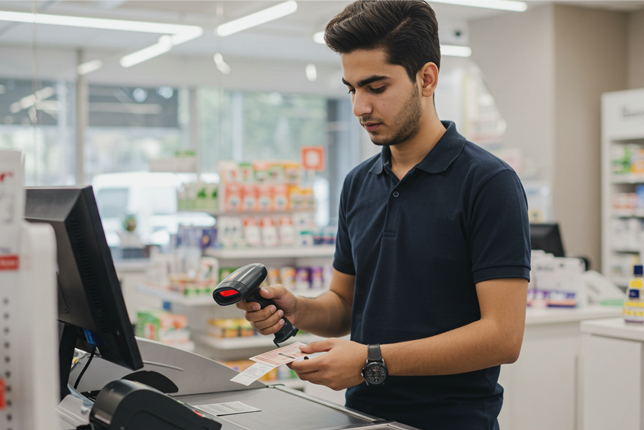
{"points": [[127, 405]]}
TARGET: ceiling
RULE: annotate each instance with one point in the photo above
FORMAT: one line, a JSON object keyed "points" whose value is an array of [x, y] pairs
{"points": [[288, 39]]}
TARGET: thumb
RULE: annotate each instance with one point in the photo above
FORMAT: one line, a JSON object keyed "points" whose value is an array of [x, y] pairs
{"points": [[274, 292], [319, 346]]}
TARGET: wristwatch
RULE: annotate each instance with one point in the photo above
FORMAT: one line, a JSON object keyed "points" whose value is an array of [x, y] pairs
{"points": [[374, 372]]}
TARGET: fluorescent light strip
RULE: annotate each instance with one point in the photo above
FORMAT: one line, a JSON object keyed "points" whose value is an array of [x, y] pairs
{"points": [[510, 5], [257, 18], [456, 51], [89, 67], [164, 45], [319, 38], [100, 23], [221, 64]]}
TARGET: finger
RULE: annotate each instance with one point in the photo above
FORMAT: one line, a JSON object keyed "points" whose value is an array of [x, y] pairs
{"points": [[273, 292], [272, 329], [319, 346], [248, 306], [273, 319], [306, 366], [261, 315]]}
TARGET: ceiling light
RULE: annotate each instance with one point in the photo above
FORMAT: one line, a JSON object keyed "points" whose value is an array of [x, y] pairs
{"points": [[100, 23], [311, 72], [161, 47], [514, 6], [89, 67], [257, 18], [319, 38], [221, 64], [456, 51], [176, 33]]}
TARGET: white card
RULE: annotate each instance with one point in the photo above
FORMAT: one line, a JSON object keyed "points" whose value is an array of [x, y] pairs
{"points": [[230, 408], [252, 374]]}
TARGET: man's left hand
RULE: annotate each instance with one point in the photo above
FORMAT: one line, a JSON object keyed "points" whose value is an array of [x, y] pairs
{"points": [[340, 368]]}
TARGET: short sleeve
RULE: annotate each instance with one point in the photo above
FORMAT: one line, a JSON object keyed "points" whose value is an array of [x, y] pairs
{"points": [[500, 230], [343, 260]]}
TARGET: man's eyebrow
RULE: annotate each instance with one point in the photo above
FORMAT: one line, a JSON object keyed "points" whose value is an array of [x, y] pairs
{"points": [[367, 81]]}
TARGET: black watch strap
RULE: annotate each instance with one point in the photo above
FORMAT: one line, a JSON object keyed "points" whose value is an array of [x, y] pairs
{"points": [[374, 353]]}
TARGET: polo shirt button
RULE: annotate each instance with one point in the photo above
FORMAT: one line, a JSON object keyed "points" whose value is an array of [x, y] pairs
{"points": [[396, 193]]}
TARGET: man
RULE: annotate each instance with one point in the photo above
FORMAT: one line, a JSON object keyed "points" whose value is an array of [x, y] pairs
{"points": [[433, 256]]}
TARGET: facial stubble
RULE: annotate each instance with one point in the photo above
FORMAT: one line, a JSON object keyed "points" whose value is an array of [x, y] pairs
{"points": [[408, 119]]}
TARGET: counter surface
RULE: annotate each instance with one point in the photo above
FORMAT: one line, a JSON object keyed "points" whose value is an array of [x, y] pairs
{"points": [[614, 327], [561, 315]]}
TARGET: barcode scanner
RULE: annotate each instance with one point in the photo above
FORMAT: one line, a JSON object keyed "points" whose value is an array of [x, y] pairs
{"points": [[243, 284]]}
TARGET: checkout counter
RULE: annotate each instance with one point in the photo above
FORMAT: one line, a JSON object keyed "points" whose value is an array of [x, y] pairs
{"points": [[201, 381]]}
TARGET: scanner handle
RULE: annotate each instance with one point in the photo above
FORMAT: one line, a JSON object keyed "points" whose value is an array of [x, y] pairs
{"points": [[287, 331]]}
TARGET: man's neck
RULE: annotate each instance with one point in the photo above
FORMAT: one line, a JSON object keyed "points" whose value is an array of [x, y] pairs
{"points": [[408, 154]]}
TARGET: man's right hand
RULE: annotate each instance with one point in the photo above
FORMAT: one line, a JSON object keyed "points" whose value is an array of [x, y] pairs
{"points": [[269, 320]]}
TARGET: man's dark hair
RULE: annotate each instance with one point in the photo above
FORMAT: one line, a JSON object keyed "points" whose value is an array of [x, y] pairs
{"points": [[407, 30]]}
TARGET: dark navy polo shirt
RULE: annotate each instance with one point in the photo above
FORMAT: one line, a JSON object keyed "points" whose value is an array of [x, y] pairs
{"points": [[418, 247]]}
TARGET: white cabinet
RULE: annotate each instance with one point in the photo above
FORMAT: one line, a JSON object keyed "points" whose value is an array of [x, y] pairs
{"points": [[542, 387], [613, 371], [622, 224]]}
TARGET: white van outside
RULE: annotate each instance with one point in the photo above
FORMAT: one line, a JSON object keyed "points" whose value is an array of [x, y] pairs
{"points": [[151, 197]]}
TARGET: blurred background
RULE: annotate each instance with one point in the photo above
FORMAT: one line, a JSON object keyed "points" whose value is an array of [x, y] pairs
{"points": [[218, 133]]}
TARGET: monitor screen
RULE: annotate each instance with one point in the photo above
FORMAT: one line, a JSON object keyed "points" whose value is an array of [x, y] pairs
{"points": [[547, 237], [90, 302]]}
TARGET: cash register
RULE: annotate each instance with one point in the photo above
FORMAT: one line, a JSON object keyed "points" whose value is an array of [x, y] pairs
{"points": [[126, 383]]}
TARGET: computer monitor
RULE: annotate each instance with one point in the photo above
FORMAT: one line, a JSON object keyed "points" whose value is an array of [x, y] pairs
{"points": [[90, 302], [547, 238]]}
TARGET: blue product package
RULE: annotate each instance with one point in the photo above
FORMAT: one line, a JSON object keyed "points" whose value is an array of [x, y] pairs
{"points": [[639, 192], [208, 238]]}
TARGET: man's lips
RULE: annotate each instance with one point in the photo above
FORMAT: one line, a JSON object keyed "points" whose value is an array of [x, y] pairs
{"points": [[371, 126]]}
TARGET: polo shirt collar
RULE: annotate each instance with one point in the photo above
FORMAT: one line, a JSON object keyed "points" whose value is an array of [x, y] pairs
{"points": [[439, 158]]}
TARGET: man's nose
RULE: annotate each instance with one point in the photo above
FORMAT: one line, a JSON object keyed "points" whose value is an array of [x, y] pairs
{"points": [[361, 105]]}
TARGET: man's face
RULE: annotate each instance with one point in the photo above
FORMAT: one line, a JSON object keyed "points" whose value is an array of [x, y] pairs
{"points": [[385, 100]]}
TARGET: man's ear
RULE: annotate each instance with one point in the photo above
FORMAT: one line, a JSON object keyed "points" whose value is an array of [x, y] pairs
{"points": [[428, 76]]}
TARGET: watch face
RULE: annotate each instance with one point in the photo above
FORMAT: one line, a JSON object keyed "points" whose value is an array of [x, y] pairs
{"points": [[375, 373]]}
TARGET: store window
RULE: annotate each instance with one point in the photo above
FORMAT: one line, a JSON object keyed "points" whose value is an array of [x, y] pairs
{"points": [[35, 119], [129, 126]]}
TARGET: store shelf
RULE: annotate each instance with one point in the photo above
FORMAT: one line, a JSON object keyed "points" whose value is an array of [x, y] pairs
{"points": [[249, 214], [627, 179], [249, 342], [628, 213], [282, 252], [627, 250], [620, 281], [173, 297]]}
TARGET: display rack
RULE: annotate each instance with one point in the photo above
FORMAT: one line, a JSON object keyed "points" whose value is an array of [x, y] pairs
{"points": [[281, 252], [622, 124]]}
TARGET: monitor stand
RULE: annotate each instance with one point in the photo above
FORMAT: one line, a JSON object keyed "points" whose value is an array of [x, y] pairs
{"points": [[65, 357]]}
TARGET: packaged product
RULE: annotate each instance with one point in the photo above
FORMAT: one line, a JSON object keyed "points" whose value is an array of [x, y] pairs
{"points": [[269, 233], [302, 278], [162, 326], [251, 232], [276, 173], [233, 194], [273, 275], [264, 198], [262, 172], [247, 173], [292, 173], [317, 280], [249, 198], [280, 197], [287, 231], [229, 172], [287, 276]]}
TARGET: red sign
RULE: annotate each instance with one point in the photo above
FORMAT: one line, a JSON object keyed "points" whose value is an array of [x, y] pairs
{"points": [[312, 158], [9, 262]]}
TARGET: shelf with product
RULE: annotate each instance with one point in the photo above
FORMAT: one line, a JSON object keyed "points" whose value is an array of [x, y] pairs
{"points": [[622, 159]]}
